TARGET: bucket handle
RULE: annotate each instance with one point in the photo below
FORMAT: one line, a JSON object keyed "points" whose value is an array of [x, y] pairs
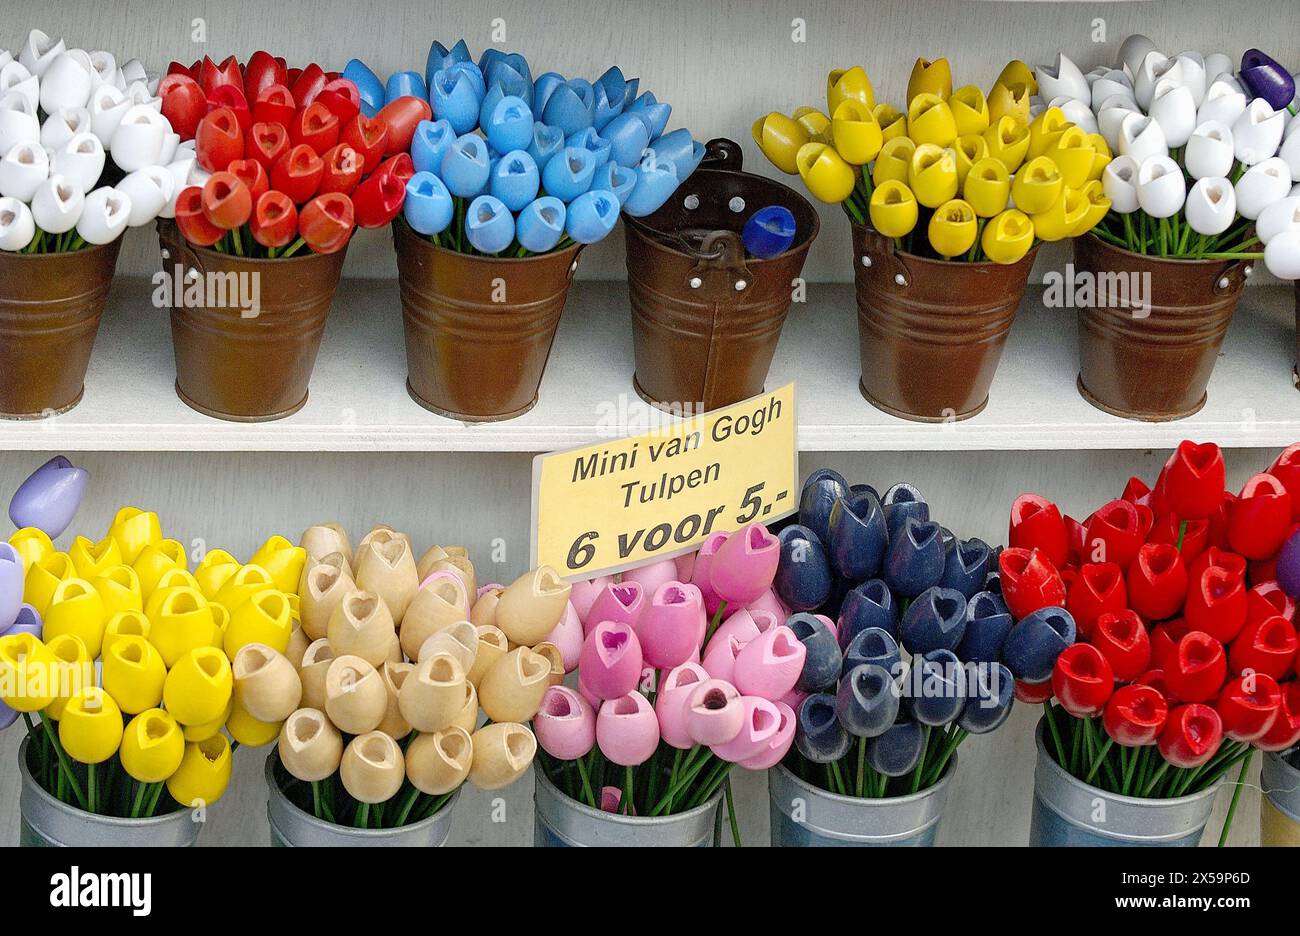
{"points": [[723, 153], [879, 251], [1234, 276], [721, 252], [185, 254]]}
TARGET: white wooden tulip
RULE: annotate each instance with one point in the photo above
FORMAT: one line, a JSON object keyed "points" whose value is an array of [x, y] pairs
{"points": [[57, 204], [1224, 102], [1189, 72], [1161, 190], [39, 51], [1217, 64], [1257, 133], [23, 169], [1132, 52], [1290, 152], [171, 144], [107, 107], [1119, 183], [81, 159], [104, 216], [1282, 255], [1175, 110], [1063, 79], [59, 128], [132, 71], [1113, 82], [16, 225], [1142, 138], [103, 68], [1076, 112], [1154, 67], [1279, 217], [18, 123], [1111, 117], [180, 173], [139, 139], [15, 78], [5, 57], [66, 83], [1211, 206], [1262, 184], [149, 189], [1209, 152]]}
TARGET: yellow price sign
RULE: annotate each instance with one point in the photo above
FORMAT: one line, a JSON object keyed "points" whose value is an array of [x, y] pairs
{"points": [[604, 508]]}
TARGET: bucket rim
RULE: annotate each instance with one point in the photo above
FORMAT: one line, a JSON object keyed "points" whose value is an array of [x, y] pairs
{"points": [[789, 776], [89, 250], [583, 809], [1030, 257], [165, 230], [1178, 262], [403, 229]]}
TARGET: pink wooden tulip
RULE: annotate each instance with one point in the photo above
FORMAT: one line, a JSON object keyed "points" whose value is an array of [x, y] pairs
{"points": [[768, 601], [671, 626], [762, 721], [593, 700], [622, 602], [568, 637], [611, 798], [745, 625], [720, 657], [627, 730], [745, 565], [583, 594], [610, 664], [769, 666], [670, 703], [700, 574], [714, 713], [653, 575], [565, 724], [482, 589], [778, 745]]}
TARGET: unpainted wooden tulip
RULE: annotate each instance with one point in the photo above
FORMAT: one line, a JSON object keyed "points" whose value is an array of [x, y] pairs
{"points": [[298, 644], [316, 662], [355, 696], [324, 586], [441, 601], [436, 554], [387, 569], [439, 763], [513, 688], [532, 605], [325, 538], [372, 769], [459, 566], [553, 655], [459, 639], [434, 694], [467, 717], [310, 746], [484, 612], [362, 626], [492, 646], [380, 532], [266, 684], [502, 752], [394, 674]]}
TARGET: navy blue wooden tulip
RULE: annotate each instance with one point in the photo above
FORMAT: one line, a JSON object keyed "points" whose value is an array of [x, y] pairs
{"points": [[966, 566], [990, 693], [803, 575], [867, 701], [936, 691], [822, 658], [900, 502], [987, 624], [898, 750], [863, 489], [936, 620], [915, 558], [858, 536], [1036, 641], [818, 734], [875, 646], [820, 492], [871, 604], [769, 232], [994, 581]]}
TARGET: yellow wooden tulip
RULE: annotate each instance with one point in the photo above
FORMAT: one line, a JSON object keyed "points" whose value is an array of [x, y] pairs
{"points": [[1017, 72], [220, 623], [215, 569], [816, 124], [1008, 140], [283, 560], [28, 676], [970, 110], [33, 545], [154, 560], [73, 670], [779, 138], [893, 209], [119, 588], [893, 122], [244, 584], [1101, 156], [1037, 185], [264, 618], [203, 774], [969, 150], [953, 228], [1098, 208], [1045, 130], [932, 176], [1060, 219], [1008, 237], [134, 529], [198, 688], [1009, 101], [849, 84], [44, 578], [247, 730], [930, 77], [987, 187], [1073, 155], [124, 624], [930, 120], [894, 162], [134, 674], [152, 746], [856, 134], [207, 729], [77, 609], [171, 580], [91, 559], [91, 727], [182, 623]]}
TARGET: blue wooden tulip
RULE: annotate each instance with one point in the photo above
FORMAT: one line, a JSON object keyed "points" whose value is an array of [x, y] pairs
{"points": [[863, 488], [654, 114], [428, 207], [498, 92], [592, 216], [509, 125], [589, 139], [803, 574], [873, 645], [515, 180], [509, 80], [936, 620], [489, 225], [466, 166], [818, 734], [497, 66], [631, 88], [1031, 649], [612, 177], [679, 149], [455, 98], [897, 752], [987, 624], [405, 84], [27, 621], [915, 557], [655, 183], [869, 605], [768, 233], [546, 142], [48, 499], [867, 700], [545, 84], [628, 138], [368, 85], [441, 57], [936, 688], [820, 491], [822, 658], [611, 96], [569, 174], [430, 144], [900, 502], [858, 538], [990, 694], [11, 588], [571, 106], [966, 566], [540, 225]]}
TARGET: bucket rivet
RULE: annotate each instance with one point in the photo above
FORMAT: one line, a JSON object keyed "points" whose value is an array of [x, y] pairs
{"points": [[866, 262], [573, 268], [1223, 282], [696, 282], [1250, 268], [740, 285], [691, 202], [737, 204], [900, 279]]}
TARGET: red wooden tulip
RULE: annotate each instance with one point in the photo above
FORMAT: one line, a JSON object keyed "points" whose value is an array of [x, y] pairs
{"points": [[326, 222], [179, 68], [262, 71], [308, 84], [1137, 492], [1258, 520], [1097, 588], [274, 105], [218, 140], [212, 76], [1123, 640], [251, 173], [1078, 538], [1248, 706], [1195, 534], [183, 103], [192, 222], [342, 98], [1266, 646], [267, 143], [343, 168], [1113, 534], [1267, 599], [1033, 693], [1197, 669], [1135, 715], [378, 199], [1036, 522], [298, 173], [1082, 680], [1164, 641], [1218, 558], [1195, 480], [316, 126], [1285, 732], [401, 117], [1286, 468], [275, 220], [1157, 581], [232, 96], [227, 202], [1029, 581], [1192, 735], [369, 137], [1216, 604]]}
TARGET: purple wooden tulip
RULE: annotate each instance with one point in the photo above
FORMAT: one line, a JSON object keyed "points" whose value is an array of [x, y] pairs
{"points": [[873, 645], [858, 536], [897, 751], [823, 488], [28, 621], [7, 716], [1265, 78], [936, 620], [1288, 566], [868, 700], [987, 624], [869, 605], [11, 585], [49, 498], [901, 501], [915, 559], [822, 659], [818, 734], [1036, 641], [936, 688], [990, 695], [966, 566]]}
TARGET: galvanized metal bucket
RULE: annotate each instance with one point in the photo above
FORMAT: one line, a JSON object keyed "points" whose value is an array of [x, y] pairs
{"points": [[563, 822], [1279, 807], [804, 816], [291, 827], [1069, 812], [47, 823]]}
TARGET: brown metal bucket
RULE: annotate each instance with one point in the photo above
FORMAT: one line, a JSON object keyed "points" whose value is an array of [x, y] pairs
{"points": [[1295, 371], [1153, 367], [931, 331], [242, 367], [478, 329], [705, 319], [50, 307]]}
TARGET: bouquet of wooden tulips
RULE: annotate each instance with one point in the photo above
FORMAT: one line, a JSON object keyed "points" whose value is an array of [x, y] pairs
{"points": [[83, 148], [394, 660], [1163, 626], [125, 656], [958, 174], [911, 664]]}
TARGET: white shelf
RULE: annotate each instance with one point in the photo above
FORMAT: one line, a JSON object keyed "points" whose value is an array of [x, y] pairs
{"points": [[359, 401]]}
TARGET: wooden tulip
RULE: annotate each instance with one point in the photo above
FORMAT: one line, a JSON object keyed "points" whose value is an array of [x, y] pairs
{"points": [[171, 580], [362, 626], [467, 717], [387, 568], [459, 566], [459, 639], [484, 612], [119, 589], [434, 694], [355, 696], [531, 606], [315, 664], [183, 622], [220, 624], [266, 684], [502, 752], [298, 644], [283, 560], [154, 560], [310, 746], [325, 538], [216, 569], [324, 586], [249, 731], [492, 646], [244, 584], [440, 601], [437, 554], [263, 618], [124, 624], [372, 769], [439, 763], [552, 654], [394, 674], [514, 686], [380, 532]]}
